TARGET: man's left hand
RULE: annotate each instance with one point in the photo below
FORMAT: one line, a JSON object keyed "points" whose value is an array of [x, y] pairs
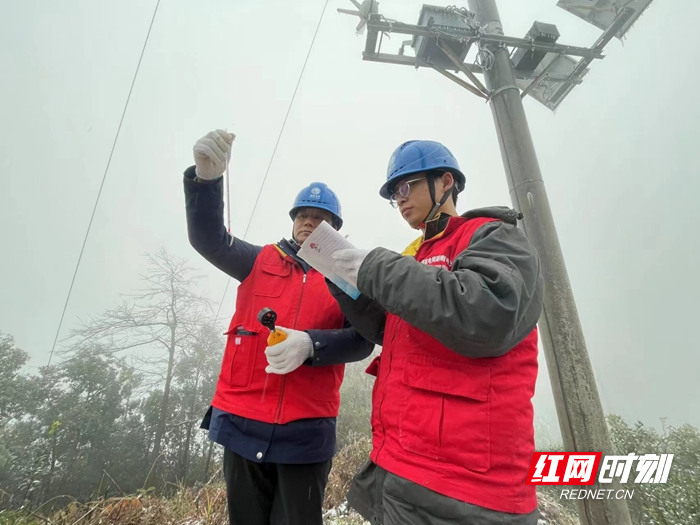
{"points": [[290, 354], [347, 263]]}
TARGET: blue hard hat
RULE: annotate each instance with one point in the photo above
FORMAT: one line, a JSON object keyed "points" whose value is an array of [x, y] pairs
{"points": [[318, 195], [416, 156]]}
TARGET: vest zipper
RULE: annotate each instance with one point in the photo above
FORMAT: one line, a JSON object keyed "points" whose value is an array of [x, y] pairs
{"points": [[294, 326]]}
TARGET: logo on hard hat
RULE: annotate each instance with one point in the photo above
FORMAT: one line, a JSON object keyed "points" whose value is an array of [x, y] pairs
{"points": [[315, 192]]}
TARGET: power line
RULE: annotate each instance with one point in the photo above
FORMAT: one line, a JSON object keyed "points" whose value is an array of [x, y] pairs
{"points": [[114, 144], [274, 151], [104, 178]]}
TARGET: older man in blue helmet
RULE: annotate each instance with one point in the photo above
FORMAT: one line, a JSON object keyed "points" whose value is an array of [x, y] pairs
{"points": [[456, 315], [275, 408]]}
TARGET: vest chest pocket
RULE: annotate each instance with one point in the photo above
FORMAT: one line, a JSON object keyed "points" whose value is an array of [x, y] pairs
{"points": [[445, 411], [271, 279], [239, 360]]}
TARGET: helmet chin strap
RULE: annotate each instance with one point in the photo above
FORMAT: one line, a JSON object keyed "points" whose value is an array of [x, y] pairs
{"points": [[436, 205]]}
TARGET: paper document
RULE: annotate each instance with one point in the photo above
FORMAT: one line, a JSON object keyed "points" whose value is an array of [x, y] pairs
{"points": [[317, 250]]}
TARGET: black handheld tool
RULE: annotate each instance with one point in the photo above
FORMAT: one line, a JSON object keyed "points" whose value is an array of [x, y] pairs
{"points": [[267, 318]]}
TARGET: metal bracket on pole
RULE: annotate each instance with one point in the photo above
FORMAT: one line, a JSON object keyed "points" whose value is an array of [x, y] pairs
{"points": [[371, 42], [537, 80], [499, 40], [401, 60], [461, 82], [462, 66], [599, 44], [621, 19]]}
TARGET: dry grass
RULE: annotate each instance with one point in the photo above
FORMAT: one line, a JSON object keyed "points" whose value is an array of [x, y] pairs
{"points": [[207, 505], [346, 464], [204, 506], [553, 513]]}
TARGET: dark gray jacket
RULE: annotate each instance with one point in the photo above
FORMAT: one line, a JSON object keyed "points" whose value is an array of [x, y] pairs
{"points": [[490, 300]]}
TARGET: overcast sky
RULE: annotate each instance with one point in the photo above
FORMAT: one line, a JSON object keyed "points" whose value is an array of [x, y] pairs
{"points": [[620, 160]]}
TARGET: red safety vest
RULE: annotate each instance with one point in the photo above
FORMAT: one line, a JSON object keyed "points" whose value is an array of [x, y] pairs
{"points": [[302, 302], [461, 427]]}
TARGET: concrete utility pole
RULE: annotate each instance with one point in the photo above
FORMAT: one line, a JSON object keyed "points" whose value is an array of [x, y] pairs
{"points": [[580, 413], [545, 71]]}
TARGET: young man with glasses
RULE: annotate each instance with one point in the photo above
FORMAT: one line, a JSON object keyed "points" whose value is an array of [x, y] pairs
{"points": [[456, 315], [278, 431]]}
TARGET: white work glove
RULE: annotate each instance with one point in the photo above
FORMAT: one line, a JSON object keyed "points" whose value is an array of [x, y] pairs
{"points": [[347, 263], [290, 354], [211, 154]]}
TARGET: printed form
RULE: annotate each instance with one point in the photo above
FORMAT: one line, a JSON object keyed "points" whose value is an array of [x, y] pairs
{"points": [[317, 250]]}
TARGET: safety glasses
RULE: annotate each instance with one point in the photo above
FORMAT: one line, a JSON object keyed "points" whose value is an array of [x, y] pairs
{"points": [[402, 189]]}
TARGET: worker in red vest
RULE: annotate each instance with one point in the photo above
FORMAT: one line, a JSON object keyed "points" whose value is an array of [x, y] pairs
{"points": [[456, 315], [275, 408]]}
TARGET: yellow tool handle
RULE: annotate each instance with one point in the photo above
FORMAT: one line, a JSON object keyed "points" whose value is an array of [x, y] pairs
{"points": [[276, 337]]}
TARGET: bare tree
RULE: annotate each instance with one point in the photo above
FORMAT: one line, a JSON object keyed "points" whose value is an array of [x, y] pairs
{"points": [[163, 319], [196, 375]]}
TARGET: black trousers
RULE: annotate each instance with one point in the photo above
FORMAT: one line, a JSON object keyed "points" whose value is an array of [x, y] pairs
{"points": [[273, 493]]}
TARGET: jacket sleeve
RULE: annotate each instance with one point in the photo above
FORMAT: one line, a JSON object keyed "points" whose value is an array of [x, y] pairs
{"points": [[335, 347], [204, 204], [366, 316], [490, 300]]}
